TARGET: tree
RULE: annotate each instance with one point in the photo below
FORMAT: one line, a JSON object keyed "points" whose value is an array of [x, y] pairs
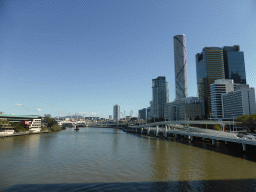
{"points": [[216, 127], [49, 121], [247, 121], [18, 127]]}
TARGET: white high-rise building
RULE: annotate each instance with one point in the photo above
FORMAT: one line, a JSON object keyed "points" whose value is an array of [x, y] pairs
{"points": [[116, 113], [240, 102], [219, 87], [180, 60]]}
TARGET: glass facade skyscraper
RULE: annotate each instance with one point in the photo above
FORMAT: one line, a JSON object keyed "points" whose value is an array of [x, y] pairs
{"points": [[209, 67], [160, 96], [234, 64]]}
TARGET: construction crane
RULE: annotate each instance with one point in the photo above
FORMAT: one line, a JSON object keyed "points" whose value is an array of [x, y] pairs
{"points": [[122, 114]]}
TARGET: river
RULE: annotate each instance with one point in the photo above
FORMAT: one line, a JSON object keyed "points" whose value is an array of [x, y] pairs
{"points": [[106, 159]]}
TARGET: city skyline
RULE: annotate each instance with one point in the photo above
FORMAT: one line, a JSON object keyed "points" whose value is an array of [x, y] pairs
{"points": [[60, 58]]}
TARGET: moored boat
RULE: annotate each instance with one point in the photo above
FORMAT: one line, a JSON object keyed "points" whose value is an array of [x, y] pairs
{"points": [[76, 128]]}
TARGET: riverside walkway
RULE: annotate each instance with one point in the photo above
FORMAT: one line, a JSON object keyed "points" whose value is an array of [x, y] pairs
{"points": [[182, 128]]}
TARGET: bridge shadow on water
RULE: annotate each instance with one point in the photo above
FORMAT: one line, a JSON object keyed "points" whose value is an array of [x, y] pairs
{"points": [[211, 185]]}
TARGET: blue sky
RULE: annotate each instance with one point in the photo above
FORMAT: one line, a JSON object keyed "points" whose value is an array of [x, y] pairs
{"points": [[60, 57]]}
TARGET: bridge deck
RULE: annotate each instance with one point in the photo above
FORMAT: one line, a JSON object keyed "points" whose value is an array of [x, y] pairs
{"points": [[196, 132]]}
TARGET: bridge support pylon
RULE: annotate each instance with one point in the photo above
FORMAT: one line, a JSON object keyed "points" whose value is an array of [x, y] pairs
{"points": [[244, 147], [157, 131]]}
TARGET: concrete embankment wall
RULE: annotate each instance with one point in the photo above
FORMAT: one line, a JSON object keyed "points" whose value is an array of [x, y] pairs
{"points": [[20, 133]]}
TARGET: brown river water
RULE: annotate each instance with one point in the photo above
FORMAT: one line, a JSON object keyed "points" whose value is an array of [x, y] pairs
{"points": [[108, 159]]}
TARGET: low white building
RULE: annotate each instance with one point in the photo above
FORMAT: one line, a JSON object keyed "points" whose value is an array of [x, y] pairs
{"points": [[5, 127], [35, 125], [240, 102]]}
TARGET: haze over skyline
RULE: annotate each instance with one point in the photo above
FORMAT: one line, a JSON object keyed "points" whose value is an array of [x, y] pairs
{"points": [[61, 57]]}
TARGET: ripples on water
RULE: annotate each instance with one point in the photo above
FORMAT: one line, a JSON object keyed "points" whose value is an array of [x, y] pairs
{"points": [[97, 159]]}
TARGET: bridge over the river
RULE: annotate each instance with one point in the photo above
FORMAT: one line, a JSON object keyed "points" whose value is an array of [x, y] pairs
{"points": [[183, 128]]}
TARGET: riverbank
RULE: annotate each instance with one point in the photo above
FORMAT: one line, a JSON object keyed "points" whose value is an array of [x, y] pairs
{"points": [[24, 133]]}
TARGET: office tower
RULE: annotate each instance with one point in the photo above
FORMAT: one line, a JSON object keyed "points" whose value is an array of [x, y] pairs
{"points": [[151, 109], [148, 113], [116, 113], [209, 67], [180, 60], [218, 63], [186, 108], [110, 116], [240, 86], [234, 64], [160, 96], [239, 102], [143, 113], [219, 87]]}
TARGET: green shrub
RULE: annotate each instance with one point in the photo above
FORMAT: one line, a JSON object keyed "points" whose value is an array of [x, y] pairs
{"points": [[55, 128], [18, 127]]}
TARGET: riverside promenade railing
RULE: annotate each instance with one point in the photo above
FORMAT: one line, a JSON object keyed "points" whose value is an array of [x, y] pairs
{"points": [[183, 128]]}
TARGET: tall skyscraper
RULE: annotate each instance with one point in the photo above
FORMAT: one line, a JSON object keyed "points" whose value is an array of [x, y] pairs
{"points": [[209, 67], [116, 113], [180, 60], [160, 96], [234, 64]]}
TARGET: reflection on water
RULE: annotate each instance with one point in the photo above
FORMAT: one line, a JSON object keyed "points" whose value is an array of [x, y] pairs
{"points": [[98, 158]]}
